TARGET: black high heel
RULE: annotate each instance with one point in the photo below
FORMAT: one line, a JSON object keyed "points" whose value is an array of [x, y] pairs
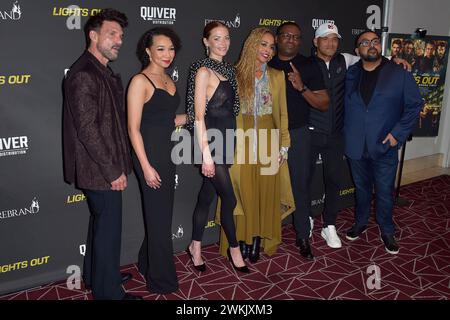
{"points": [[243, 269], [200, 267]]}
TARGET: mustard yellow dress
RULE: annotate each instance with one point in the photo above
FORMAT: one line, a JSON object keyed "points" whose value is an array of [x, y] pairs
{"points": [[262, 188]]}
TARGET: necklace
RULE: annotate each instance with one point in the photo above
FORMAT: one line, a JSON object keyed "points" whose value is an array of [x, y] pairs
{"points": [[162, 76]]}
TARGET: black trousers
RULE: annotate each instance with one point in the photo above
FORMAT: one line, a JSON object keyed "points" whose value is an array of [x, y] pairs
{"points": [[331, 149], [101, 268], [300, 171], [305, 147]]}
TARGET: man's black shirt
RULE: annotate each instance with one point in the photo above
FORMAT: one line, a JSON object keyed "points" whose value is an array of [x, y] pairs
{"points": [[298, 107], [369, 81]]}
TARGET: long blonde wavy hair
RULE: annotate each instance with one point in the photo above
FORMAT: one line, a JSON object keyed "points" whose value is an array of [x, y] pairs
{"points": [[246, 66]]}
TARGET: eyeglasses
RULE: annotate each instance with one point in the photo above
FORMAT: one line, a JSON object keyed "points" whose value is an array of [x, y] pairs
{"points": [[367, 43], [288, 36]]}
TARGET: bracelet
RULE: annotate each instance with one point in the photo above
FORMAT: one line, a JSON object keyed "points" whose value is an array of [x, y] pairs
{"points": [[284, 152]]}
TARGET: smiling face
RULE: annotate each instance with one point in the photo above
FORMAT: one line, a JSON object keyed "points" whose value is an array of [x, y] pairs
{"points": [[107, 40], [218, 42], [162, 51], [266, 48]]}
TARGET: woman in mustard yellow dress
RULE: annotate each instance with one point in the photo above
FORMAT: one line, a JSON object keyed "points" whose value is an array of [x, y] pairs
{"points": [[260, 174]]}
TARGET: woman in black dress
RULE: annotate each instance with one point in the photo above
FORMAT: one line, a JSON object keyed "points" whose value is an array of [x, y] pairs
{"points": [[212, 103], [152, 103]]}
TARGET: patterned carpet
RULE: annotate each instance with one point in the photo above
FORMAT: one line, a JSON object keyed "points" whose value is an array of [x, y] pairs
{"points": [[420, 271]]}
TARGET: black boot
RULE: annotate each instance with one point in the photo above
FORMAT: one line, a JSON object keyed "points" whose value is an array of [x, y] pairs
{"points": [[244, 249], [253, 255], [305, 248]]}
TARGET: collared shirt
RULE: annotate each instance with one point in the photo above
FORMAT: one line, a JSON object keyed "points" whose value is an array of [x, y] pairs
{"points": [[263, 96]]}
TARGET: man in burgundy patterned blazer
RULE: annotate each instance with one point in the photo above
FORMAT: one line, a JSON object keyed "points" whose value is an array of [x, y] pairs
{"points": [[96, 150]]}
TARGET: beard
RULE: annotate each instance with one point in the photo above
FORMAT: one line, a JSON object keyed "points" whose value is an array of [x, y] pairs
{"points": [[109, 53], [372, 55]]}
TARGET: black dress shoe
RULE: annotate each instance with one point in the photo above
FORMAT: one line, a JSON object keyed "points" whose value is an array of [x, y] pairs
{"points": [[305, 249], [253, 255], [125, 276], [200, 267], [244, 249], [243, 269], [129, 296]]}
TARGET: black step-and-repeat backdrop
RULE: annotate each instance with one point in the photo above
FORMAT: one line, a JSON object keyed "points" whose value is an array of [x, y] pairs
{"points": [[43, 221]]}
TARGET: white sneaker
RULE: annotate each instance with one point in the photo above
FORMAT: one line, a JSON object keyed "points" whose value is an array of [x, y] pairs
{"points": [[331, 237], [311, 223]]}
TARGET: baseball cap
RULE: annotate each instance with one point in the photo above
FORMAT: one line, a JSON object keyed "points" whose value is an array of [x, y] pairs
{"points": [[325, 29]]}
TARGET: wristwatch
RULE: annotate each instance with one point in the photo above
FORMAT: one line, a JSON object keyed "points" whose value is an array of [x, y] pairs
{"points": [[302, 90]]}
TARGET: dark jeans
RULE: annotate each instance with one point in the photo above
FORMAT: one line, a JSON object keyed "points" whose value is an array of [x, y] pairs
{"points": [[101, 268], [300, 171], [331, 148], [367, 174]]}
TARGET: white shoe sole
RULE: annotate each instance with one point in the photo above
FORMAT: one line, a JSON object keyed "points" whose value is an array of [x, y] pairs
{"points": [[353, 239], [337, 246], [350, 238], [391, 252], [387, 250]]}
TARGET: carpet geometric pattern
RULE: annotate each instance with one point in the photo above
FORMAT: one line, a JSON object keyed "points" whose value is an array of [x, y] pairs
{"points": [[361, 269]]}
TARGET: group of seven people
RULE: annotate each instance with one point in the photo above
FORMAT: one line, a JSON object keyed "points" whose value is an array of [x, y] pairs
{"points": [[289, 107]]}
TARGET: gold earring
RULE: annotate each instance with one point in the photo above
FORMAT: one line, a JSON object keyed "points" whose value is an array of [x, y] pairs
{"points": [[207, 51]]}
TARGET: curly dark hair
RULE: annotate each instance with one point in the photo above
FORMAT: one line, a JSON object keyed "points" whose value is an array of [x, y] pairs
{"points": [[95, 22], [146, 41]]}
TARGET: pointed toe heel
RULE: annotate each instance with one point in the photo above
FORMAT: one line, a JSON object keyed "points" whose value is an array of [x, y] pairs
{"points": [[200, 267], [243, 269]]}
